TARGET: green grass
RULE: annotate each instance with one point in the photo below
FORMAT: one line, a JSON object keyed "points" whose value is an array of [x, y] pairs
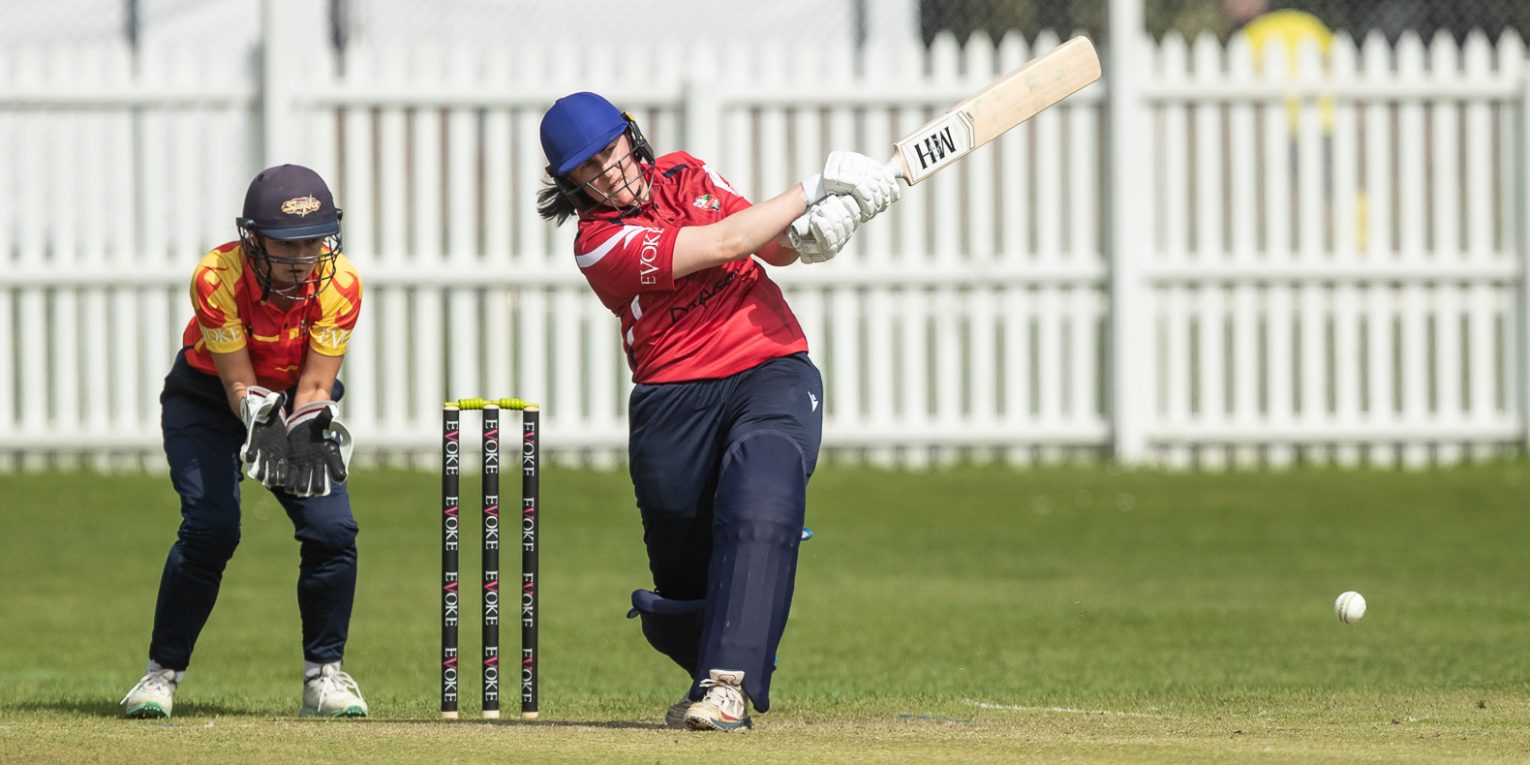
{"points": [[961, 615]]}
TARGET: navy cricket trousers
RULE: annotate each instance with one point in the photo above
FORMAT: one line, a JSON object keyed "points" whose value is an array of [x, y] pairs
{"points": [[202, 442], [720, 469]]}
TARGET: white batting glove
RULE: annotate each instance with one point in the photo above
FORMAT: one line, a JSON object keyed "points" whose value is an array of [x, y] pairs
{"points": [[820, 233], [814, 190], [869, 182]]}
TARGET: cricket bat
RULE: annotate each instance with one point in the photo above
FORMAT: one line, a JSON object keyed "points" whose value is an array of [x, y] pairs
{"points": [[1006, 102]]}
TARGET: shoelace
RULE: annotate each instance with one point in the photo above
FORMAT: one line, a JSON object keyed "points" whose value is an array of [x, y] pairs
{"points": [[327, 685], [724, 697], [150, 681]]}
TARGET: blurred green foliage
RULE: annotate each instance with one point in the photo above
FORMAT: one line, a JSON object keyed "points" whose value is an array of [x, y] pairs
{"points": [[1192, 17]]}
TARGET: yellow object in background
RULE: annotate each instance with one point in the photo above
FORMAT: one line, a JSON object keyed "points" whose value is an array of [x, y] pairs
{"points": [[1289, 28], [1362, 221]]}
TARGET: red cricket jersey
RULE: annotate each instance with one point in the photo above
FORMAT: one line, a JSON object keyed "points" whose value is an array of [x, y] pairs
{"points": [[710, 324]]}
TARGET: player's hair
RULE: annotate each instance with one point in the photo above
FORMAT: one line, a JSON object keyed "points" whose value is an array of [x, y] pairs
{"points": [[559, 199]]}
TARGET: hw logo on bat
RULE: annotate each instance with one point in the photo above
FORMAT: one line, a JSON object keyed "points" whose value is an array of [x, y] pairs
{"points": [[940, 143]]}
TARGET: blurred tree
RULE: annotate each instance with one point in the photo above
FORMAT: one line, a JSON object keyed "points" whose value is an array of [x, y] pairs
{"points": [[963, 17], [1192, 17]]}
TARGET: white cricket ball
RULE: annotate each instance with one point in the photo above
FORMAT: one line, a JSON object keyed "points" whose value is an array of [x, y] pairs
{"points": [[1350, 607]]}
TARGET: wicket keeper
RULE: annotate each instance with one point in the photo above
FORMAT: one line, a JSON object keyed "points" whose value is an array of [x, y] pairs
{"points": [[254, 392]]}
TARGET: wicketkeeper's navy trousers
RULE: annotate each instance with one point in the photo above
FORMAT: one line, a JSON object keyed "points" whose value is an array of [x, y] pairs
{"points": [[202, 440]]}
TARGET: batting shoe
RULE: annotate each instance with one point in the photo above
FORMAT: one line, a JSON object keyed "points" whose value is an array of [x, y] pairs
{"points": [[725, 706], [332, 693], [674, 717], [153, 696]]}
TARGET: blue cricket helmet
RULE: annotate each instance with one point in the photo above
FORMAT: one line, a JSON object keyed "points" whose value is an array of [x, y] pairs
{"points": [[576, 128]]}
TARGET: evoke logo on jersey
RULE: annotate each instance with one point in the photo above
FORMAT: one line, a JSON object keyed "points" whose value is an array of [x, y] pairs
{"points": [[222, 336], [647, 256], [333, 337], [301, 206]]}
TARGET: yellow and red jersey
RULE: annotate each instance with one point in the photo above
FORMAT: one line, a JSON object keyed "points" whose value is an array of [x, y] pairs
{"points": [[229, 314]]}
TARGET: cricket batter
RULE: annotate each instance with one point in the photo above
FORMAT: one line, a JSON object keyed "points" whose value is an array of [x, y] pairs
{"points": [[726, 414], [254, 391]]}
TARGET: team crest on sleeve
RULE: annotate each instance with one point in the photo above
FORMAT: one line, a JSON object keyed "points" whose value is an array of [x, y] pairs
{"points": [[708, 202]]}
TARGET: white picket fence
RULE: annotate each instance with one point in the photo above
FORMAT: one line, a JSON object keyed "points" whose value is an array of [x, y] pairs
{"points": [[1338, 276], [1326, 266]]}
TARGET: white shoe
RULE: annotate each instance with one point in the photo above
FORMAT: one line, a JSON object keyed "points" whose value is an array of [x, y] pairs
{"points": [[153, 696], [332, 693], [725, 707], [674, 717]]}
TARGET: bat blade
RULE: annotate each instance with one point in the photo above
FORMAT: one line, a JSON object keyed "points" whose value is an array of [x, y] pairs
{"points": [[1006, 102]]}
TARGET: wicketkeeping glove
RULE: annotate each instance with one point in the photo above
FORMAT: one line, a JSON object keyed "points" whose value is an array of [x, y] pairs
{"points": [[319, 449], [265, 441]]}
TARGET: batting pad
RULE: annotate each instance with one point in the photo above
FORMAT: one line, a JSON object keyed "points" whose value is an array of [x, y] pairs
{"points": [[673, 627], [757, 526]]}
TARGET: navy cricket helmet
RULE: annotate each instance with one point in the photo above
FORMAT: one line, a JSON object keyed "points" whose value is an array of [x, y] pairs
{"points": [[290, 203]]}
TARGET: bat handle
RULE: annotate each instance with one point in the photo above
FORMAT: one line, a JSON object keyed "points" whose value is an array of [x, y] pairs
{"points": [[896, 167]]}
